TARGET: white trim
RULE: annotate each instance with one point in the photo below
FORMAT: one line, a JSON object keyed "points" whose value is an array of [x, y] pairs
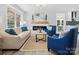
{"points": [[6, 19], [15, 20], [39, 24]]}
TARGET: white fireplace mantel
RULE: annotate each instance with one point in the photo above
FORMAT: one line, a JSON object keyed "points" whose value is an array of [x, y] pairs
{"points": [[39, 24]]}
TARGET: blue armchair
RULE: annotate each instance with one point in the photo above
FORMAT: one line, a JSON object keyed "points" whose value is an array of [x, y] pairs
{"points": [[65, 45], [52, 31]]}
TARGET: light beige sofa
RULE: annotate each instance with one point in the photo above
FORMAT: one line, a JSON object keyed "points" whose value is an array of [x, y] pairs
{"points": [[14, 41]]}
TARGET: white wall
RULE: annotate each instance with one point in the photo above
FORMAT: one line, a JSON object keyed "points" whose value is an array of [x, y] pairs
{"points": [[3, 14], [50, 10]]}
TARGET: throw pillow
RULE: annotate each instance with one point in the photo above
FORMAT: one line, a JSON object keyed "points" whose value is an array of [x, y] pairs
{"points": [[10, 31], [24, 29]]}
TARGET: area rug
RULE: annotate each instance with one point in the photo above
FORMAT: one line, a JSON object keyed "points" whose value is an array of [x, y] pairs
{"points": [[32, 45]]}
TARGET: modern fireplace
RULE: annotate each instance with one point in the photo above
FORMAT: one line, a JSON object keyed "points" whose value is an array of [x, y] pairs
{"points": [[38, 27]]}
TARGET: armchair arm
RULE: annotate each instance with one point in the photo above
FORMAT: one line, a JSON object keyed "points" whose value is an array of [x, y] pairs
{"points": [[55, 38]]}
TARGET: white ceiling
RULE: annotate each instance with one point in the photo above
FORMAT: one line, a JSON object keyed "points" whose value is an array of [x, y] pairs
{"points": [[49, 7]]}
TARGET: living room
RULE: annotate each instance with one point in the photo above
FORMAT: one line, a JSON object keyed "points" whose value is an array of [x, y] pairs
{"points": [[39, 29]]}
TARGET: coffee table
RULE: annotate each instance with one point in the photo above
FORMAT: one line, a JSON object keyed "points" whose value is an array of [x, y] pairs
{"points": [[43, 34]]}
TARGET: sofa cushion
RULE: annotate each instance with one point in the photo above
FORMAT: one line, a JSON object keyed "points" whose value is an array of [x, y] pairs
{"points": [[24, 29], [23, 34], [10, 31]]}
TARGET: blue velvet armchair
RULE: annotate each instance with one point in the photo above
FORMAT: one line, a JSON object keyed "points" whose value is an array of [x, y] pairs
{"points": [[65, 45], [51, 32]]}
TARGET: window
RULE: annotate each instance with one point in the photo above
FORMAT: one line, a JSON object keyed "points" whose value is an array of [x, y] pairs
{"points": [[11, 18]]}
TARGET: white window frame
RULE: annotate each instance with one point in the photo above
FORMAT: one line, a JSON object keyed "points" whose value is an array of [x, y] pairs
{"points": [[15, 10]]}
